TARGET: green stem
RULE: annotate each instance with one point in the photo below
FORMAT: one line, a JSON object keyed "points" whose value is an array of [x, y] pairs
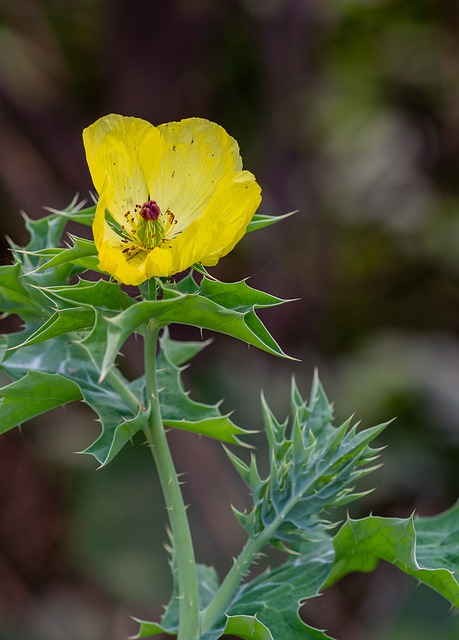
{"points": [[182, 543], [217, 607], [219, 603]]}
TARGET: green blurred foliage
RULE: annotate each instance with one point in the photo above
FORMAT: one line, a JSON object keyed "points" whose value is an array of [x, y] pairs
{"points": [[345, 110]]}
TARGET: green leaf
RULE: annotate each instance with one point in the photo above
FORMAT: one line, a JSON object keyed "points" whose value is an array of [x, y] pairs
{"points": [[101, 295], [247, 627], [179, 353], [60, 323], [200, 310], [111, 441], [94, 341], [108, 296], [76, 213], [260, 221], [219, 428], [44, 232], [313, 468], [14, 295], [120, 418], [82, 253], [32, 395], [426, 548], [149, 629], [237, 296], [437, 543], [177, 409], [116, 401], [275, 595]]}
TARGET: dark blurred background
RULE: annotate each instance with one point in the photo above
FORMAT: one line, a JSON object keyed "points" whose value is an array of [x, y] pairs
{"points": [[347, 111]]}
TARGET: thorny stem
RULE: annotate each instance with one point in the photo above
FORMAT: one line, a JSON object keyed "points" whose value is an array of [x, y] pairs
{"points": [[184, 562], [219, 603], [252, 548], [228, 587]]}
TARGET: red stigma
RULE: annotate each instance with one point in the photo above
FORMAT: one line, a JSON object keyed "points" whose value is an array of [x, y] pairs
{"points": [[150, 211]]}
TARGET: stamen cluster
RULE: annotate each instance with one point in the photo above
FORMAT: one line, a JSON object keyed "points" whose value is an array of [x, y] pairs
{"points": [[146, 228]]}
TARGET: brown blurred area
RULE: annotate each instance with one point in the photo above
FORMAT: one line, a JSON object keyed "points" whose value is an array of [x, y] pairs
{"points": [[347, 111]]}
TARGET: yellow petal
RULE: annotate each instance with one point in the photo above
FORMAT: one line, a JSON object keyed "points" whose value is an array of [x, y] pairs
{"points": [[197, 154], [225, 219], [112, 147], [128, 269], [228, 214], [217, 230], [191, 168]]}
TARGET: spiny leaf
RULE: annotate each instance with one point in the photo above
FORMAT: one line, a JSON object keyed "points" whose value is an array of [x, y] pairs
{"points": [[100, 295], [82, 252], [94, 340], [275, 595], [437, 540], [21, 283], [60, 323], [179, 353], [119, 421], [35, 393], [237, 296], [150, 629], [247, 627], [44, 232], [426, 548], [197, 310], [242, 468], [177, 409], [110, 442], [219, 428], [311, 471], [14, 295], [72, 316], [70, 360], [76, 212]]}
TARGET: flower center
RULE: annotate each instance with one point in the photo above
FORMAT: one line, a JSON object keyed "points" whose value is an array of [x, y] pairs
{"points": [[146, 228], [150, 211]]}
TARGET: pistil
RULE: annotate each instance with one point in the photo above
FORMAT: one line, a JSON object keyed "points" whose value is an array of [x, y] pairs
{"points": [[150, 211], [150, 228]]}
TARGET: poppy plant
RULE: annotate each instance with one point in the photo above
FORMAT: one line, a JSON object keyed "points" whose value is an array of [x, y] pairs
{"points": [[169, 196]]}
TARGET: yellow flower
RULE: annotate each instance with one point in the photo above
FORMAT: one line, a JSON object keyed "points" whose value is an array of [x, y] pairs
{"points": [[169, 196]]}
